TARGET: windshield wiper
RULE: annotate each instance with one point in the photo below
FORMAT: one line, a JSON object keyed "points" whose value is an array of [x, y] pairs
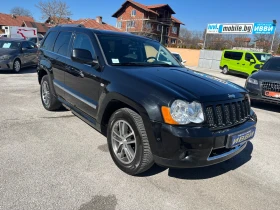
{"points": [[130, 64], [163, 64]]}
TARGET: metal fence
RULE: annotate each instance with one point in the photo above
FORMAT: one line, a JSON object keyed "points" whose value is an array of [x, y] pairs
{"points": [[210, 59]]}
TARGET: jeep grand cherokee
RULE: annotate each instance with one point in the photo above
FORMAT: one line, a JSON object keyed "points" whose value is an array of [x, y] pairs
{"points": [[135, 92]]}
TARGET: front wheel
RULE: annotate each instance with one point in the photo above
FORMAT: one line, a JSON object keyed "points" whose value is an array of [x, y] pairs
{"points": [[128, 142], [17, 66]]}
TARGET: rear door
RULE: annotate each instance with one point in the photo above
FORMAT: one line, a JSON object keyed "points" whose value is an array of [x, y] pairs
{"points": [[33, 53], [83, 80], [26, 54]]}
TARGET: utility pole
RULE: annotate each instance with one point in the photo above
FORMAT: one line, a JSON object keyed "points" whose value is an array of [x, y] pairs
{"points": [[274, 23], [161, 37], [205, 36]]}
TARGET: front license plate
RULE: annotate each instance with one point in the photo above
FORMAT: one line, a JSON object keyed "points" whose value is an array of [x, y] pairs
{"points": [[272, 94], [236, 139]]}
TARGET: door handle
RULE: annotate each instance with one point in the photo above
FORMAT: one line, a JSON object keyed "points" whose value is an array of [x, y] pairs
{"points": [[237, 63], [243, 64]]}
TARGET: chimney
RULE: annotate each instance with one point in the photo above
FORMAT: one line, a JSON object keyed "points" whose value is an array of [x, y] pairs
{"points": [[14, 16], [99, 19]]}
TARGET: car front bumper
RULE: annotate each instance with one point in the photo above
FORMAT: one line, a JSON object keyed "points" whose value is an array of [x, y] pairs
{"points": [[6, 65], [189, 147], [256, 93]]}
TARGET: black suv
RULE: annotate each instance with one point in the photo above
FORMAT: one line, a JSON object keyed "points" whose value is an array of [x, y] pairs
{"points": [[151, 108]]}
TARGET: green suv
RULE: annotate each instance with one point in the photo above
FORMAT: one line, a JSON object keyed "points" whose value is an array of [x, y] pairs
{"points": [[241, 61]]}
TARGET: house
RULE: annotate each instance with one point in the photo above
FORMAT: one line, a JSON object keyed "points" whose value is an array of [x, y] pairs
{"points": [[12, 20], [242, 41], [96, 23], [155, 21]]}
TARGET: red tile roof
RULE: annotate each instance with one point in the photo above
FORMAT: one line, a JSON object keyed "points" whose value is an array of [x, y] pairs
{"points": [[91, 23], [10, 20], [176, 20], [156, 6], [142, 6], [242, 39], [41, 27]]}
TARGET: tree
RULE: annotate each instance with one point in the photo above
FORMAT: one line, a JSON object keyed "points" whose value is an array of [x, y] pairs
{"points": [[57, 10], [20, 11]]}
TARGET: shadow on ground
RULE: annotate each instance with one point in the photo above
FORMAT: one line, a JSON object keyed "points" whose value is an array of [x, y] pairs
{"points": [[28, 70], [205, 172], [266, 106]]}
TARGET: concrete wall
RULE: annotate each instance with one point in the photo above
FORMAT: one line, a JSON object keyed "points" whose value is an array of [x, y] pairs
{"points": [[210, 59], [191, 56]]}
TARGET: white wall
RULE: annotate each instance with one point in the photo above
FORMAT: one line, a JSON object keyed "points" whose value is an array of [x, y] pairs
{"points": [[210, 59]]}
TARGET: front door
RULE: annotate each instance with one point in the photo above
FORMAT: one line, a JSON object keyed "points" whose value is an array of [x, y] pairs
{"points": [[248, 66], [33, 53], [82, 80]]}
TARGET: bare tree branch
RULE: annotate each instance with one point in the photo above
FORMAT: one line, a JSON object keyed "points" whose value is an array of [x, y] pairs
{"points": [[20, 11], [54, 9]]}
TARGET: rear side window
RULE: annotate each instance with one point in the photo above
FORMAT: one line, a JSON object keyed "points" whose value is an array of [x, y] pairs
{"points": [[82, 41], [49, 41], [233, 55], [227, 54], [62, 43]]}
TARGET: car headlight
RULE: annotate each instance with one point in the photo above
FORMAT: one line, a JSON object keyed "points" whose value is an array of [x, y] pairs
{"points": [[5, 57], [253, 81], [182, 112]]}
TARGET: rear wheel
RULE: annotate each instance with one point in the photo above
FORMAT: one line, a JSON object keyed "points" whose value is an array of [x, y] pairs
{"points": [[48, 98], [17, 65], [128, 142], [225, 70]]}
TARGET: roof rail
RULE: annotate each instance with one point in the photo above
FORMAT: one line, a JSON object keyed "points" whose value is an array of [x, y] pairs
{"points": [[71, 25]]}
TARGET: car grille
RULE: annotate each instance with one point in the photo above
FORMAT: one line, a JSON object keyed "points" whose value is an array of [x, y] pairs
{"points": [[227, 114], [271, 86]]}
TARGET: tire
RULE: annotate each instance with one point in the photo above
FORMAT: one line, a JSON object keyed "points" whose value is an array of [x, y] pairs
{"points": [[142, 159], [225, 70], [17, 65], [48, 98]]}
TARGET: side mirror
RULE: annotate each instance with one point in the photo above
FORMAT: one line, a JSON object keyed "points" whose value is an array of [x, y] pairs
{"points": [[83, 56], [252, 61], [257, 66], [184, 61], [24, 49]]}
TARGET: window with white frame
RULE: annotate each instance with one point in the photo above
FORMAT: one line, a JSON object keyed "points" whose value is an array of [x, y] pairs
{"points": [[130, 24], [133, 12], [174, 30], [119, 24], [148, 25], [173, 41], [159, 27]]}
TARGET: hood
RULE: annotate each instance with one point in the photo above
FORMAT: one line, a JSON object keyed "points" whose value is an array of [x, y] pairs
{"points": [[193, 85], [4, 51], [267, 75]]}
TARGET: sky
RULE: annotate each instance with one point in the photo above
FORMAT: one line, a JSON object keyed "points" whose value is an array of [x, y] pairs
{"points": [[195, 14]]}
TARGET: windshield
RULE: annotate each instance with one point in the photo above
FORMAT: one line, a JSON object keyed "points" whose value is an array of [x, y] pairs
{"points": [[262, 56], [9, 44], [134, 51], [177, 56], [272, 65]]}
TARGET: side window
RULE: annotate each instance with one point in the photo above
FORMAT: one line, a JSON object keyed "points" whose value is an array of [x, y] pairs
{"points": [[249, 56], [82, 41], [62, 43], [25, 45], [227, 55], [49, 41], [32, 45], [236, 55]]}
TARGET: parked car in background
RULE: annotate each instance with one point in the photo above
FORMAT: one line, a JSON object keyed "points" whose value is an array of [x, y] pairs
{"points": [[241, 61], [36, 40], [16, 54], [264, 85], [179, 58]]}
